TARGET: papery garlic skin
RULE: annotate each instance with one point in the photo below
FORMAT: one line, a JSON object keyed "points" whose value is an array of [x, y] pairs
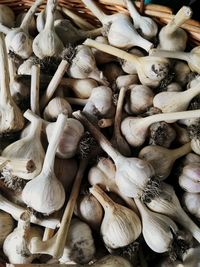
{"points": [[80, 246], [191, 201], [6, 226]]}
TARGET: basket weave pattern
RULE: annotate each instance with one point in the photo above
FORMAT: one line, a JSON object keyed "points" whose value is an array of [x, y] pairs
{"points": [[161, 14]]}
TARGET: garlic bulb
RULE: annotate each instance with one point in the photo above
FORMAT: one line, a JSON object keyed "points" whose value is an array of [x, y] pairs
{"points": [[15, 246], [140, 99], [151, 70], [127, 169], [101, 57], [84, 66], [182, 72], [79, 245], [192, 57], [189, 178], [26, 66], [89, 210], [70, 35], [171, 36], [117, 219], [135, 129], [18, 40], [158, 230], [120, 30], [111, 71], [126, 80], [182, 135], [191, 158], [11, 119], [56, 106], [19, 91], [32, 25], [65, 171], [162, 134], [112, 261], [15, 211], [7, 16], [70, 138], [191, 202], [47, 43], [128, 66], [162, 159], [100, 103], [103, 174], [41, 18], [50, 192], [82, 88], [175, 101], [174, 87], [29, 147], [6, 226], [145, 25], [168, 204]]}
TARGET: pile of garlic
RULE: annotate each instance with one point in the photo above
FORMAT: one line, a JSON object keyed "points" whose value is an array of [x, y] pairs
{"points": [[99, 139]]}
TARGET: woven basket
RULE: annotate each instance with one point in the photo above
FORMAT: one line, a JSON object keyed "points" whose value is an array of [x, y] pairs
{"points": [[76, 9]]}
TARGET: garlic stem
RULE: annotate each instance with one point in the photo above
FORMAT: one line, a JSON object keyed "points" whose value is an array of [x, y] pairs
{"points": [[104, 143], [102, 197], [5, 95], [79, 21], [133, 11], [35, 87], [55, 245], [50, 8], [76, 101], [12, 70], [53, 144], [183, 14], [170, 54], [28, 17], [104, 123], [16, 210], [4, 29], [55, 81], [48, 233], [117, 139], [181, 151], [90, 4], [171, 116], [112, 50]]}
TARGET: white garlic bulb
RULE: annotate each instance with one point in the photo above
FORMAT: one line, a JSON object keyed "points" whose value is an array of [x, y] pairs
{"points": [[79, 246], [6, 226], [191, 201]]}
